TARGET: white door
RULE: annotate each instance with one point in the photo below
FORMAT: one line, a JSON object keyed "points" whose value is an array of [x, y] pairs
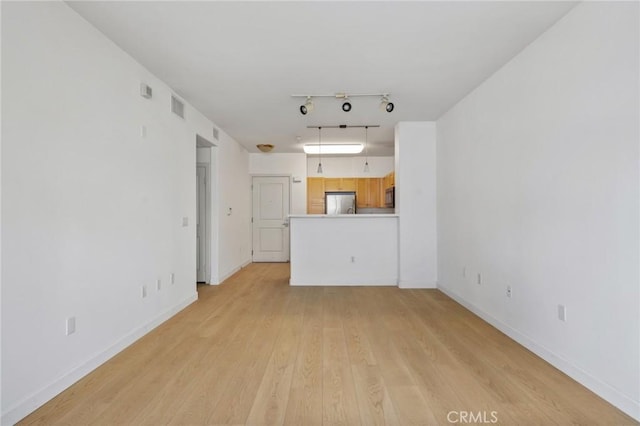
{"points": [[201, 224], [270, 219]]}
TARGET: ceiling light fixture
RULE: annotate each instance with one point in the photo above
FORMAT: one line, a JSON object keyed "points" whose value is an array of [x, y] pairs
{"points": [[366, 146], [307, 107], [385, 105], [265, 147], [346, 105], [333, 148]]}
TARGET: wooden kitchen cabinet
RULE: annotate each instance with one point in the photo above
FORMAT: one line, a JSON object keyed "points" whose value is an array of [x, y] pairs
{"points": [[375, 192], [369, 193], [389, 180], [339, 184], [315, 195]]}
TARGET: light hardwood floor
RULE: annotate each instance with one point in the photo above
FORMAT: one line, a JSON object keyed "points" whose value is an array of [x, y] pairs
{"points": [[256, 351]]}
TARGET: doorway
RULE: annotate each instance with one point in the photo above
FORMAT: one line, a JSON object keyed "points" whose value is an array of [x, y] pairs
{"points": [[202, 202], [270, 220], [205, 211]]}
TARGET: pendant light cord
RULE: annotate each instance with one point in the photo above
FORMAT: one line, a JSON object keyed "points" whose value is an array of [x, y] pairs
{"points": [[366, 147], [319, 149]]}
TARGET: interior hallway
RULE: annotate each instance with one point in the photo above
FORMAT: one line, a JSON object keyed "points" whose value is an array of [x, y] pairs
{"points": [[256, 351]]}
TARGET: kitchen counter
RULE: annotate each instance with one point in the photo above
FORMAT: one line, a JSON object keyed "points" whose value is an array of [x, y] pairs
{"points": [[345, 250]]}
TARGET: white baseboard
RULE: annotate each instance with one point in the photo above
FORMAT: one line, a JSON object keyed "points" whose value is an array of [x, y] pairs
{"points": [[370, 284], [416, 284], [605, 391], [233, 271], [39, 398]]}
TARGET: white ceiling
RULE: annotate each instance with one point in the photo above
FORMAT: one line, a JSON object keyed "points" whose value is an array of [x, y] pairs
{"points": [[239, 62]]}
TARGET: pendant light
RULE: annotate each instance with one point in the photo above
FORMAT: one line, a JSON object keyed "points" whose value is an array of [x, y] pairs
{"points": [[320, 150], [366, 149]]}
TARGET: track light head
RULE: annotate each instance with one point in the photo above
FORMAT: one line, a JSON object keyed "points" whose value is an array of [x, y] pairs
{"points": [[385, 105], [307, 107]]}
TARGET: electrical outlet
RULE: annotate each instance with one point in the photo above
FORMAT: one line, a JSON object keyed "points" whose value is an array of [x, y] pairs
{"points": [[172, 278], [562, 313], [479, 280], [144, 291], [158, 285], [508, 291], [71, 325]]}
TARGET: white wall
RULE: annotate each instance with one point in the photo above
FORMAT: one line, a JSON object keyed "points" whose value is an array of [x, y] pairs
{"points": [[234, 192], [91, 210], [351, 166], [294, 165], [344, 250], [415, 179], [1, 209], [538, 189]]}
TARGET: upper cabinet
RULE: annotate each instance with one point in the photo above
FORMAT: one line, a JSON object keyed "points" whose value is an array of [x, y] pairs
{"points": [[339, 184], [369, 193]]}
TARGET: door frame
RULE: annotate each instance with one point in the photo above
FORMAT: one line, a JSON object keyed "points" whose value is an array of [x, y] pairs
{"points": [[283, 175]]}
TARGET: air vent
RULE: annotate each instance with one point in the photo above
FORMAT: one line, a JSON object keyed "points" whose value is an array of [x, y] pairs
{"points": [[146, 91], [216, 134], [177, 107]]}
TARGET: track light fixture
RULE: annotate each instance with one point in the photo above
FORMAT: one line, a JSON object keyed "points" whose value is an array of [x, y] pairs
{"points": [[346, 106], [307, 107], [385, 104]]}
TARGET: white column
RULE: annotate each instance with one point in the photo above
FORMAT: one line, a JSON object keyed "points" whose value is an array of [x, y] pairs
{"points": [[415, 169]]}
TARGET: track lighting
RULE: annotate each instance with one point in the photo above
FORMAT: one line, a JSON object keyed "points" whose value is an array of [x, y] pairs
{"points": [[385, 105], [307, 107], [346, 106]]}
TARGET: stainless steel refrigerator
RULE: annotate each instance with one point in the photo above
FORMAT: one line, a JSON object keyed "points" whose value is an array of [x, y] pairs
{"points": [[340, 202]]}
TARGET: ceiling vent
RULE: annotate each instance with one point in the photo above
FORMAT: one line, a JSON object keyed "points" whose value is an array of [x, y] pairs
{"points": [[146, 91], [177, 107], [216, 134]]}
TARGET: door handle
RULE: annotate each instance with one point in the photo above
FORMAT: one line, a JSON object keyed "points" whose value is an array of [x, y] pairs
{"points": [[285, 224]]}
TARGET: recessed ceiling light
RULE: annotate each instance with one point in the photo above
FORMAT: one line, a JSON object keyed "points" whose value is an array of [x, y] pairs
{"points": [[342, 148]]}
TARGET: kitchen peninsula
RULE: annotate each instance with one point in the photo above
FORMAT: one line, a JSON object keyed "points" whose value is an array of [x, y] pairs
{"points": [[347, 250]]}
